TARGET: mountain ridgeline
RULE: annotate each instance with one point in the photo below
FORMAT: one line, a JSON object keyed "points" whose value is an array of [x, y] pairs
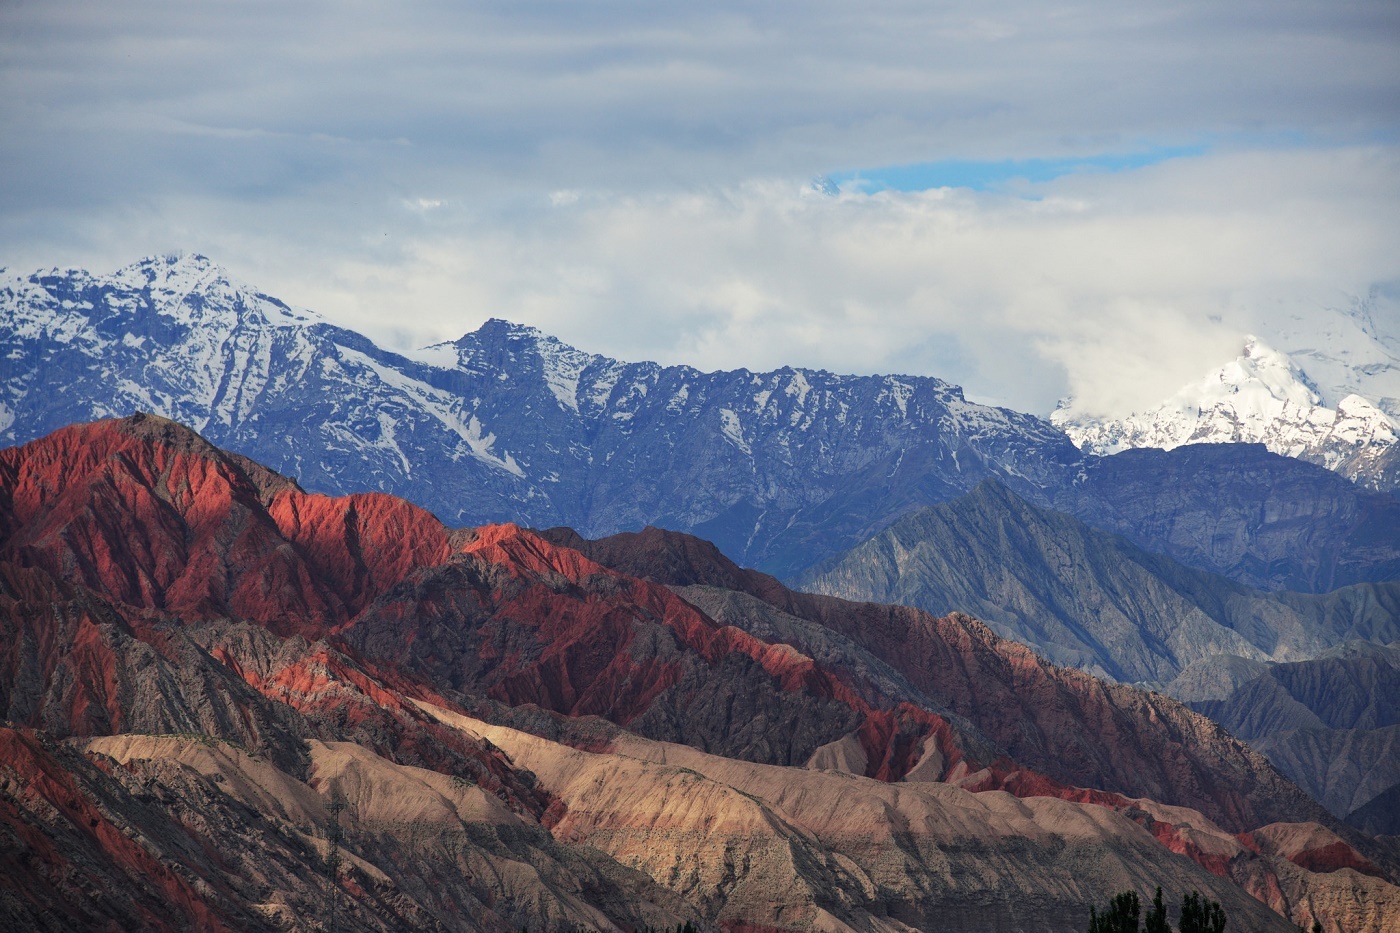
{"points": [[505, 423], [1092, 599], [781, 469]]}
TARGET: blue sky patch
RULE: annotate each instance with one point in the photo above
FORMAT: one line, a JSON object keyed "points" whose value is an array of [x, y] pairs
{"points": [[984, 176]]}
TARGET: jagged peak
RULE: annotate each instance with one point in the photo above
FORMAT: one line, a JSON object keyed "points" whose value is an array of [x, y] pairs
{"points": [[178, 257], [171, 278], [562, 364], [142, 425], [1276, 371], [165, 283], [496, 331], [146, 424], [500, 327], [179, 265]]}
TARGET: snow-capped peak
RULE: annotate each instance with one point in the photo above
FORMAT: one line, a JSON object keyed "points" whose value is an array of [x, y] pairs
{"points": [[169, 271], [1347, 346], [562, 364], [194, 289], [1262, 396]]}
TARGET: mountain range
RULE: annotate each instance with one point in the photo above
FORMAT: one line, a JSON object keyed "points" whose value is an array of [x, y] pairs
{"points": [[782, 470], [1092, 599], [234, 704], [1305, 678], [475, 603], [503, 424]]}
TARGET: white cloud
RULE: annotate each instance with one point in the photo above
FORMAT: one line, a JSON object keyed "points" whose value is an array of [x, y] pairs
{"points": [[632, 176], [1118, 288]]}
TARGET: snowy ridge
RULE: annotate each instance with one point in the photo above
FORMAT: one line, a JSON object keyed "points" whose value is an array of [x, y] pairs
{"points": [[1261, 397], [563, 366], [215, 334], [441, 405]]}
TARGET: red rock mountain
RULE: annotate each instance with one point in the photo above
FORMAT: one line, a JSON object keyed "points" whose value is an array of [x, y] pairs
{"points": [[1065, 724], [151, 584]]}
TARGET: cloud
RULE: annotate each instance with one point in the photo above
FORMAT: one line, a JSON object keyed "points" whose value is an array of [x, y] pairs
{"points": [[633, 94], [1116, 288], [633, 176]]}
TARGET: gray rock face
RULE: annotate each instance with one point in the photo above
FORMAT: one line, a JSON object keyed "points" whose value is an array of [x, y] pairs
{"points": [[1356, 686], [1269, 522], [1332, 724], [1381, 816], [1089, 599]]}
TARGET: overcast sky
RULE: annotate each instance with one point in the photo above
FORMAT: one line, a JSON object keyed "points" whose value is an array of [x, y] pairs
{"points": [[1028, 198]]}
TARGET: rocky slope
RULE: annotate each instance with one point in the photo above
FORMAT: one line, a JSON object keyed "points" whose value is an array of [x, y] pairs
{"points": [[1331, 724], [355, 650], [750, 846], [1381, 815], [1262, 397], [178, 833], [881, 849], [1269, 522], [1090, 599], [1046, 718]]}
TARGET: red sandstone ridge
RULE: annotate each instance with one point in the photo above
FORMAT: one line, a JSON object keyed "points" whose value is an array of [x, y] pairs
{"points": [[162, 528], [1309, 846], [147, 513], [521, 620]]}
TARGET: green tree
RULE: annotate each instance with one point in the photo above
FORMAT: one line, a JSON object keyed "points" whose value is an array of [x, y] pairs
{"points": [[1157, 915], [1120, 917], [1201, 915]]}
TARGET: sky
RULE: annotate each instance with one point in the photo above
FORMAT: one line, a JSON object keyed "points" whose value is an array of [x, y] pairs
{"points": [[1032, 199]]}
